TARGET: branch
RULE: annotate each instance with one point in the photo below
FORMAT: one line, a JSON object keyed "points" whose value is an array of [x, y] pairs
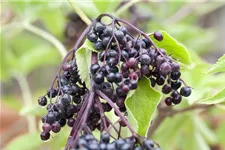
{"points": [[27, 99], [164, 112]]}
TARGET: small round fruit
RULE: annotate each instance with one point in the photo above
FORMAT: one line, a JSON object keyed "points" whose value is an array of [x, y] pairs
{"points": [[168, 101], [158, 36], [42, 101], [45, 136], [70, 122], [56, 127], [165, 68], [185, 91]]}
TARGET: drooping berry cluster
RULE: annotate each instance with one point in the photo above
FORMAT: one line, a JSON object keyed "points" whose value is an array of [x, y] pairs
{"points": [[89, 142], [118, 62], [67, 101], [124, 59]]}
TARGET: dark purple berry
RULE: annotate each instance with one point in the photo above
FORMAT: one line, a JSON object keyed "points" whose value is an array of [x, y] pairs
{"points": [[175, 67], [145, 59], [177, 99], [50, 118], [99, 27], [119, 35], [132, 63], [62, 122], [56, 127], [125, 88], [158, 36], [168, 101], [176, 84], [42, 101], [185, 91], [165, 68], [98, 78], [91, 36], [98, 45], [160, 80], [45, 136], [94, 68], [175, 75], [70, 122], [166, 89], [133, 84], [46, 127], [145, 69], [118, 77], [111, 77]]}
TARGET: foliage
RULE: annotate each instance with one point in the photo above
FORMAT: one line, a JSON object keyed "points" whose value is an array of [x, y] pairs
{"points": [[24, 52]]}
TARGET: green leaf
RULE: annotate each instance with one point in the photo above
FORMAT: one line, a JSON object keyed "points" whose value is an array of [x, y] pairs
{"points": [[173, 47], [106, 6], [219, 66], [33, 110], [83, 59], [142, 104], [25, 142], [215, 99]]}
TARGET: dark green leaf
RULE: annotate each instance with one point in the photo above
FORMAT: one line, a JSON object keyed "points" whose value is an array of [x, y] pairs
{"points": [[142, 104], [173, 48], [219, 66]]}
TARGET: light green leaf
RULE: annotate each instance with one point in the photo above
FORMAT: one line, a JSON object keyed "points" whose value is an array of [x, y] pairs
{"points": [[83, 59], [219, 66], [142, 104], [215, 99], [173, 47], [106, 6], [25, 142], [33, 110]]}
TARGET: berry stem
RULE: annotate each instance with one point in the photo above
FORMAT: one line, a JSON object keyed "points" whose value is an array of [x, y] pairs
{"points": [[101, 94]]}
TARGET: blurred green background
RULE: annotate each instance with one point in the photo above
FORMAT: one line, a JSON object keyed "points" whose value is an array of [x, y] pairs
{"points": [[36, 35]]}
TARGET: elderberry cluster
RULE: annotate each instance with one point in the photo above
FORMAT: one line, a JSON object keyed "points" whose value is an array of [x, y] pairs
{"points": [[89, 142], [123, 60], [67, 97]]}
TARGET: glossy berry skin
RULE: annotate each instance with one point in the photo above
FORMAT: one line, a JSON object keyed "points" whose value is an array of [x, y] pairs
{"points": [[70, 122], [99, 27], [119, 35], [175, 75], [176, 99], [145, 59], [166, 89], [50, 118], [185, 91], [160, 80], [105, 138], [118, 77], [98, 78], [132, 62], [165, 68], [158, 36], [56, 127], [168, 101], [145, 69], [91, 36], [45, 136], [133, 84], [46, 127], [176, 84], [111, 77], [98, 45], [94, 68], [42, 101]]}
